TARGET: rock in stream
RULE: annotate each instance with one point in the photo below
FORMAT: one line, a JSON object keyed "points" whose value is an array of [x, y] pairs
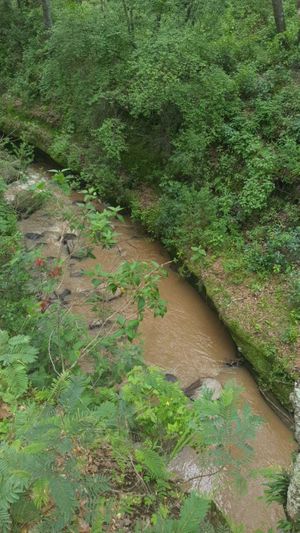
{"points": [[293, 495]]}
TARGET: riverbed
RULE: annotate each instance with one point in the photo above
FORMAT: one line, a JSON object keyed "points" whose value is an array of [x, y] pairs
{"points": [[189, 341]]}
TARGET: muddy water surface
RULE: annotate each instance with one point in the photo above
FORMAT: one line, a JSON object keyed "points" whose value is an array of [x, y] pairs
{"points": [[190, 342]]}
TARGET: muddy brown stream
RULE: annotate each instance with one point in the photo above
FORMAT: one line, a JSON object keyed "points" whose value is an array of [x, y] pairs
{"points": [[190, 342]]}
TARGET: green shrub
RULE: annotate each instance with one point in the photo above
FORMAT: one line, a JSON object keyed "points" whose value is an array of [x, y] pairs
{"points": [[160, 407], [17, 306], [187, 216], [9, 171], [28, 201], [277, 252], [294, 292]]}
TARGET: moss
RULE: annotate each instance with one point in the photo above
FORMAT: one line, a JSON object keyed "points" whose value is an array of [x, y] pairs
{"points": [[9, 172], [27, 202], [47, 139], [272, 370]]}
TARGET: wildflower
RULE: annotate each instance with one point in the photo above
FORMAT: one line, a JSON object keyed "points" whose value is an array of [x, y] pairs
{"points": [[55, 272], [39, 262], [44, 304]]}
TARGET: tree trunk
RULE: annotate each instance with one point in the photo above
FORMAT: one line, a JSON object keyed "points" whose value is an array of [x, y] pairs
{"points": [[46, 5], [279, 15], [298, 7]]}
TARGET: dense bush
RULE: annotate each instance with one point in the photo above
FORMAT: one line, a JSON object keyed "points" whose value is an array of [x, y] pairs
{"points": [[202, 94], [277, 251]]}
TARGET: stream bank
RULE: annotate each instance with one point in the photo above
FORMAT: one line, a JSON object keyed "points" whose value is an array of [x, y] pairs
{"points": [[239, 308], [190, 342]]}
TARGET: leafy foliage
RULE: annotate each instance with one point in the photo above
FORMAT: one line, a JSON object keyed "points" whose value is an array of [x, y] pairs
{"points": [[191, 518], [160, 406], [277, 487], [43, 464], [16, 354], [69, 438], [220, 429]]}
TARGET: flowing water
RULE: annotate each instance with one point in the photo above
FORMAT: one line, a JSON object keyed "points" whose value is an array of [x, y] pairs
{"points": [[190, 342]]}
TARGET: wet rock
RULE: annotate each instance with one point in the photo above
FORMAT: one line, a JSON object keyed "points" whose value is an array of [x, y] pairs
{"points": [[70, 245], [83, 293], [68, 237], [114, 296], [64, 296], [235, 363], [295, 398], [171, 378], [81, 253], [95, 324], [27, 202], [211, 384], [69, 240], [192, 388], [77, 274], [34, 236], [293, 495], [53, 297], [187, 467]]}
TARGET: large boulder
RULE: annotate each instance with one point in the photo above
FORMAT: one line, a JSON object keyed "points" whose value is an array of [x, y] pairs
{"points": [[293, 495], [210, 384], [26, 202], [187, 467], [295, 397]]}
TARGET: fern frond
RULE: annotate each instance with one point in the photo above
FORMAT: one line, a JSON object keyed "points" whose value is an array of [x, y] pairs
{"points": [[63, 494], [193, 513], [5, 519], [106, 414], [95, 485], [16, 349], [16, 379], [71, 396], [40, 492], [153, 463], [23, 512]]}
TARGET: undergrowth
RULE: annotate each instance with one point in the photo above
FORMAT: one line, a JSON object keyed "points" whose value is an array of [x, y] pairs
{"points": [[88, 451]]}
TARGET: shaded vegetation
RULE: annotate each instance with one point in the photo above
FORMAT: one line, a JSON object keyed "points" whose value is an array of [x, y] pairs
{"points": [[87, 450]]}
